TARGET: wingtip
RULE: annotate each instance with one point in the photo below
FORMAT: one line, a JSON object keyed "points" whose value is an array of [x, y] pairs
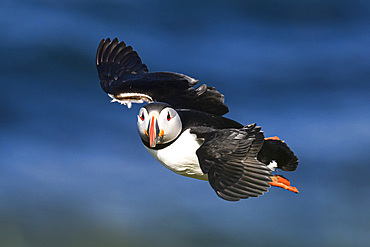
{"points": [[115, 60]]}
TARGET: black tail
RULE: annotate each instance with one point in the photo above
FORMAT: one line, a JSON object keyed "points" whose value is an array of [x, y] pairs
{"points": [[280, 152]]}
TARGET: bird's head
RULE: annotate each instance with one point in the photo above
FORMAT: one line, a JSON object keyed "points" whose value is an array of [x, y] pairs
{"points": [[158, 123]]}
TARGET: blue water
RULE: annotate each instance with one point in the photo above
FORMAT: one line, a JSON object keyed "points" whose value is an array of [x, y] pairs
{"points": [[73, 171]]}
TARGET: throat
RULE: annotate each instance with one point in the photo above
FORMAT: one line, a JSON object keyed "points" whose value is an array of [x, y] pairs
{"points": [[158, 146]]}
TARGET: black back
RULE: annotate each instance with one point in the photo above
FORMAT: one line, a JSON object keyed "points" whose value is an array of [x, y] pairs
{"points": [[193, 118]]}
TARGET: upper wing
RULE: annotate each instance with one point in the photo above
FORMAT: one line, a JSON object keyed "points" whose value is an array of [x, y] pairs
{"points": [[126, 79], [229, 156]]}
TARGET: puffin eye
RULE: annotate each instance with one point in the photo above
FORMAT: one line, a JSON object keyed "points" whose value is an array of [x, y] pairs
{"points": [[168, 116], [142, 116]]}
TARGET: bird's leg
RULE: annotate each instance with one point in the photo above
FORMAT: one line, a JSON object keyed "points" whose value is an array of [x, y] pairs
{"points": [[280, 181]]}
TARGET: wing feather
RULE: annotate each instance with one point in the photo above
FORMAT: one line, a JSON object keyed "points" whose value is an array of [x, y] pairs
{"points": [[229, 157], [125, 78]]}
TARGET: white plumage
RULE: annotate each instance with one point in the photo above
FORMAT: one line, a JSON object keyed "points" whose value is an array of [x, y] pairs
{"points": [[273, 165], [180, 156]]}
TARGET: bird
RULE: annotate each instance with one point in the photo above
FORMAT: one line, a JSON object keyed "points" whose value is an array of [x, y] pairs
{"points": [[184, 127]]}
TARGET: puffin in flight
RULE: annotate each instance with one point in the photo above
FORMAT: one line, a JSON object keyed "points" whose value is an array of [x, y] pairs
{"points": [[184, 129]]}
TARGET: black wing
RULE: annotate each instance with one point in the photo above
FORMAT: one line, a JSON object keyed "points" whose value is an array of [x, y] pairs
{"points": [[229, 157], [126, 79]]}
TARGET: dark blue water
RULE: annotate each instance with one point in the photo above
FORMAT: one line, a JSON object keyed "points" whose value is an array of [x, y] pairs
{"points": [[73, 171]]}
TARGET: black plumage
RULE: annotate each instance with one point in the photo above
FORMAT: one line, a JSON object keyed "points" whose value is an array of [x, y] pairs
{"points": [[278, 151], [235, 157], [121, 70], [229, 157]]}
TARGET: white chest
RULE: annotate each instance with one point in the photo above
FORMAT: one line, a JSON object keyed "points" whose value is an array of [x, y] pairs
{"points": [[180, 156]]}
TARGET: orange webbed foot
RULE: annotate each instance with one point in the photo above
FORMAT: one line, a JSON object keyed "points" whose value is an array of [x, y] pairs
{"points": [[273, 138], [280, 181]]}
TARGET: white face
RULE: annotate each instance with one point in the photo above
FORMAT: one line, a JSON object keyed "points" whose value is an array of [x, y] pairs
{"points": [[158, 127]]}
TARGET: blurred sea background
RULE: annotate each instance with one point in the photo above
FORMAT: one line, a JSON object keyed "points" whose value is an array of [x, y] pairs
{"points": [[73, 171]]}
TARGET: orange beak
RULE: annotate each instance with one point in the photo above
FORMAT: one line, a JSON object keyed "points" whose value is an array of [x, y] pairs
{"points": [[154, 133]]}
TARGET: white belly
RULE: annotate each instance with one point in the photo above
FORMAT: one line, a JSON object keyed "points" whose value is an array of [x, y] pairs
{"points": [[180, 156]]}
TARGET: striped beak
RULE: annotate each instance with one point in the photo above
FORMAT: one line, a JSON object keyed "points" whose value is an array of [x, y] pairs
{"points": [[153, 131]]}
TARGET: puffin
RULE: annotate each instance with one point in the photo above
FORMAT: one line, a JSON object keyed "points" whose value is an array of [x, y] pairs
{"points": [[184, 127]]}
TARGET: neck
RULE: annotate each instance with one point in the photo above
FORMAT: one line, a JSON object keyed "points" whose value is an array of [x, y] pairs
{"points": [[160, 146]]}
